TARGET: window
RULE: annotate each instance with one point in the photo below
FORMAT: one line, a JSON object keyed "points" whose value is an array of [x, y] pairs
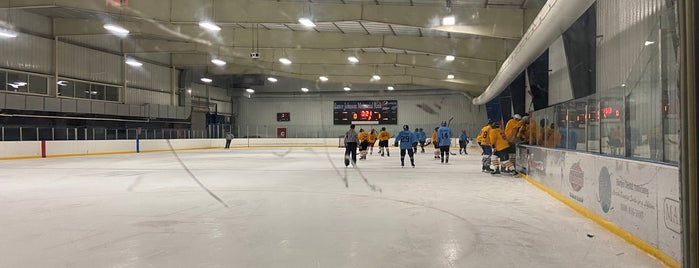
{"points": [[17, 82], [112, 93], [66, 88], [3, 80], [82, 90], [38, 84], [97, 92]]}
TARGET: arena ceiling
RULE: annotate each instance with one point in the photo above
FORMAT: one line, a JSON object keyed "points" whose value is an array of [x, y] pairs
{"points": [[403, 41]]}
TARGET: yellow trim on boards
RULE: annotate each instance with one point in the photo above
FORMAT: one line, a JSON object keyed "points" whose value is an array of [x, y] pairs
{"points": [[611, 227]]}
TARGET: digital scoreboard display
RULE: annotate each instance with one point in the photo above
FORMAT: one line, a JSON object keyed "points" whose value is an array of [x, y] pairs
{"points": [[365, 112]]}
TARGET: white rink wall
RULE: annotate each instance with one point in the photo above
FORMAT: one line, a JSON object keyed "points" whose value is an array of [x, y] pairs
{"points": [[642, 198], [33, 149]]}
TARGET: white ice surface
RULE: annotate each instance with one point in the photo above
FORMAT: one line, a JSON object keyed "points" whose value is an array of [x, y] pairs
{"points": [[288, 208]]}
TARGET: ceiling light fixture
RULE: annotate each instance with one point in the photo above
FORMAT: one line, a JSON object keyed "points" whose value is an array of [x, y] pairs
{"points": [[272, 79], [307, 22], [451, 76], [323, 78], [285, 61], [62, 83], [209, 26], [390, 88], [648, 43], [304, 89], [450, 58], [7, 33], [250, 90], [218, 62], [376, 76], [449, 20], [347, 88], [133, 62], [116, 29], [206, 80], [352, 59]]}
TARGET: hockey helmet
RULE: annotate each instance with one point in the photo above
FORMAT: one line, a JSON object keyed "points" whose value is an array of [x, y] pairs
{"points": [[518, 117], [444, 123], [406, 127]]}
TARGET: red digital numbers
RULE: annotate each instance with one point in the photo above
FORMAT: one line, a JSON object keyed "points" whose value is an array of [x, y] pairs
{"points": [[365, 114]]}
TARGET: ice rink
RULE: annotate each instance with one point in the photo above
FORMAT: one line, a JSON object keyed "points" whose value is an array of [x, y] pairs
{"points": [[281, 207]]}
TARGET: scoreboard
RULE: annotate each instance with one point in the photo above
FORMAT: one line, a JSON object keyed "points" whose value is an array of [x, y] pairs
{"points": [[365, 112]]}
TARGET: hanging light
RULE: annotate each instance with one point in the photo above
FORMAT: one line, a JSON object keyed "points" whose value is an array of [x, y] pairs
{"points": [[133, 62], [7, 33], [323, 78], [307, 22], [390, 88], [250, 90], [285, 61], [209, 26], [206, 80], [450, 58], [347, 88], [376, 76], [116, 29], [218, 62], [304, 89], [451, 76], [352, 59], [449, 20], [272, 79]]}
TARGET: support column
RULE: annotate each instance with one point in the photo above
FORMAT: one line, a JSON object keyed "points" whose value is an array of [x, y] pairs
{"points": [[688, 25]]}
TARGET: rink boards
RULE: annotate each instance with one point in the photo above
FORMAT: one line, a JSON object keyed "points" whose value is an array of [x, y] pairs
{"points": [[640, 198]]}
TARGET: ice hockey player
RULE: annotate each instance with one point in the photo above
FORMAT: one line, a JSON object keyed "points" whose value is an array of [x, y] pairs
{"points": [[384, 136], [406, 139], [444, 136], [483, 141], [435, 142], [502, 150], [373, 136], [512, 127], [417, 134], [422, 138], [463, 141], [363, 143]]}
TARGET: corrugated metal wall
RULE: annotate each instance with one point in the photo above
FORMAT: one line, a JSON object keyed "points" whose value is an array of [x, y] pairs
{"points": [[106, 42], [624, 26], [219, 96], [27, 53], [140, 96], [149, 76], [88, 64], [313, 116], [29, 22]]}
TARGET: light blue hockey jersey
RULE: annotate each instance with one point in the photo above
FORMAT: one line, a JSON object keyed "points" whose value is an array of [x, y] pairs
{"points": [[406, 139], [444, 136]]}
